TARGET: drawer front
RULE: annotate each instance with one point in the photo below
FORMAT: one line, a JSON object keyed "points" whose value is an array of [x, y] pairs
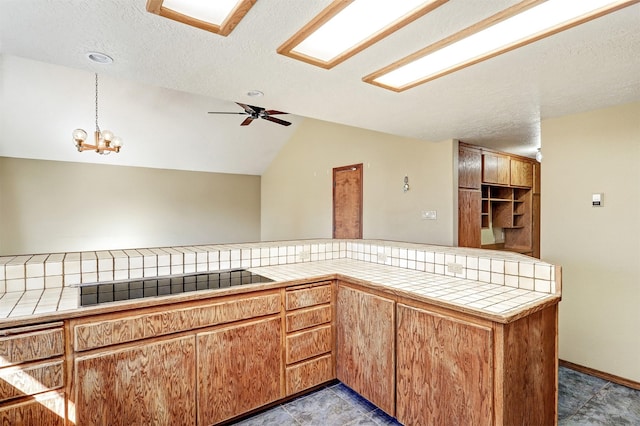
{"points": [[30, 380], [308, 344], [305, 297], [32, 346], [48, 410], [309, 374], [127, 329], [306, 318]]}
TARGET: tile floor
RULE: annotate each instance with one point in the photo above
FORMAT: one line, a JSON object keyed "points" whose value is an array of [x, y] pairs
{"points": [[582, 400]]}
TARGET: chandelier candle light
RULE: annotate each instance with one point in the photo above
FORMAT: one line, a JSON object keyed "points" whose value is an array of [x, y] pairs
{"points": [[105, 141]]}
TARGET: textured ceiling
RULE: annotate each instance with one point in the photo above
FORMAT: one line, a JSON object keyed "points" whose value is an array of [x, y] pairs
{"points": [[497, 103]]}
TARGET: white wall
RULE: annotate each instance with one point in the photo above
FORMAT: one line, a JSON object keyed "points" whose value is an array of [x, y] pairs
{"points": [[297, 191], [598, 248], [55, 206]]}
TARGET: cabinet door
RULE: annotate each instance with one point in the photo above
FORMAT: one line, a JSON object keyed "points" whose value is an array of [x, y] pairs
{"points": [[152, 383], [239, 369], [521, 173], [444, 370], [365, 349], [496, 169], [469, 218], [469, 167]]}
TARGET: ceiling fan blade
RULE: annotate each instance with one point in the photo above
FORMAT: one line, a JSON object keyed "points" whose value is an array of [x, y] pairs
{"points": [[276, 120], [251, 109], [247, 121], [273, 112], [220, 112]]}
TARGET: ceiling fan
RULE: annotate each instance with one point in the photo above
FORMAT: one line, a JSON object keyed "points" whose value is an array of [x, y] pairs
{"points": [[255, 112]]}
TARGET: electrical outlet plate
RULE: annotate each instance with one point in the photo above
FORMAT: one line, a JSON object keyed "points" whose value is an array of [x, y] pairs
{"points": [[454, 268]]}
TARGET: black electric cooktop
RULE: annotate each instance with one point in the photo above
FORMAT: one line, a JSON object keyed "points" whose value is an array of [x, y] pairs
{"points": [[94, 294]]}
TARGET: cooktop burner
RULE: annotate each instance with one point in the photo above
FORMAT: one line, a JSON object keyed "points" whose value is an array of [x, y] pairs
{"points": [[94, 294]]}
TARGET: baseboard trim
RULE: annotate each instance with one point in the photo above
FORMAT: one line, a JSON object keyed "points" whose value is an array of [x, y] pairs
{"points": [[601, 374]]}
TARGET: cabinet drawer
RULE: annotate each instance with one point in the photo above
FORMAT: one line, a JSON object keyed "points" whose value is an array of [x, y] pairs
{"points": [[305, 297], [30, 379], [30, 346], [110, 332], [308, 344], [308, 374], [48, 410], [306, 318]]}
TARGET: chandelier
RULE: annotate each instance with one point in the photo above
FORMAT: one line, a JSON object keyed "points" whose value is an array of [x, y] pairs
{"points": [[105, 141]]}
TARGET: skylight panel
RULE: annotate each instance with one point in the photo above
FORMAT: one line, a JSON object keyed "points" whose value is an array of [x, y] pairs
{"points": [[345, 28], [518, 26], [217, 16]]}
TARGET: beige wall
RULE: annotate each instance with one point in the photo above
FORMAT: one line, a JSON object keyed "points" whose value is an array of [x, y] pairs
{"points": [[598, 248], [297, 192], [54, 206]]}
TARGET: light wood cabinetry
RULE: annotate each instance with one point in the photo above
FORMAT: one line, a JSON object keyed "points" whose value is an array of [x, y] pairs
{"points": [[149, 383], [496, 168], [206, 360], [469, 167], [469, 221], [521, 173], [48, 409], [239, 369], [508, 199], [310, 342], [444, 369], [365, 345], [32, 370]]}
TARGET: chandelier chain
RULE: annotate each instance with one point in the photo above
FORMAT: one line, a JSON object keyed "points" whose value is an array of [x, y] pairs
{"points": [[97, 128]]}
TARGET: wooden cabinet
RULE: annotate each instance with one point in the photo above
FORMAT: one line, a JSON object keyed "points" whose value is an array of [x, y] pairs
{"points": [[309, 343], [48, 409], [509, 199], [469, 167], [207, 360], [365, 345], [444, 369], [239, 369], [469, 221], [521, 173], [496, 168], [32, 365], [149, 383]]}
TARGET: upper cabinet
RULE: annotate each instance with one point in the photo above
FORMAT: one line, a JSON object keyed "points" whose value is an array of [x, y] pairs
{"points": [[521, 173], [496, 168], [469, 167]]}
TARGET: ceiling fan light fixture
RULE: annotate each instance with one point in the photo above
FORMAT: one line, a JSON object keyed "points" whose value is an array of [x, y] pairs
{"points": [[219, 16], [347, 27], [517, 26]]}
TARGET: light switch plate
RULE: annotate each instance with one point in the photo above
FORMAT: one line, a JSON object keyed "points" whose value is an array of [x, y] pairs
{"points": [[429, 215]]}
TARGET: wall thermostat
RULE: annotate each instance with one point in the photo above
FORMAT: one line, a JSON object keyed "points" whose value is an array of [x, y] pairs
{"points": [[596, 200]]}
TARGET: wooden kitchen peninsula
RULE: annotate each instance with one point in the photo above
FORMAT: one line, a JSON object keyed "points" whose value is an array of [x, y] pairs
{"points": [[429, 334]]}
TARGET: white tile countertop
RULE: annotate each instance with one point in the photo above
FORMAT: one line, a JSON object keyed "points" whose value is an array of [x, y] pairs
{"points": [[492, 283]]}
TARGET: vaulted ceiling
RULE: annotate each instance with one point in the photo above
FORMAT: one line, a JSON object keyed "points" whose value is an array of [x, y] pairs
{"points": [[497, 103]]}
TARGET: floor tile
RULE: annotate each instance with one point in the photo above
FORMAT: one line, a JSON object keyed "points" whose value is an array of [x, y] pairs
{"points": [[322, 408], [612, 405], [275, 416], [353, 398], [574, 390]]}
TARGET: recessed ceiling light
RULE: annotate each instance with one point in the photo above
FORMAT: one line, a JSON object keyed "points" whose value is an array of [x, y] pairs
{"points": [[254, 93], [219, 16], [524, 23], [99, 58], [345, 28]]}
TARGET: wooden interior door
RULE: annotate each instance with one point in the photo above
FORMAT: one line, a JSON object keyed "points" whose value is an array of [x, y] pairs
{"points": [[347, 201]]}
